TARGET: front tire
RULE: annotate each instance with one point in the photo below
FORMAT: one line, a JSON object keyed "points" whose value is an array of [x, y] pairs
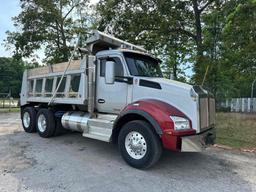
{"points": [[45, 123], [28, 116], [139, 145]]}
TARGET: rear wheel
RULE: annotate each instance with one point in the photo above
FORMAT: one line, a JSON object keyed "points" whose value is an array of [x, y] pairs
{"points": [[28, 116], [45, 123], [59, 130], [139, 145]]}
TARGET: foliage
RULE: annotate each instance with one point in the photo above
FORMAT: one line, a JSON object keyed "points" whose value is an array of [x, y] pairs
{"points": [[209, 33], [239, 45], [47, 25], [173, 27], [230, 41], [11, 71]]}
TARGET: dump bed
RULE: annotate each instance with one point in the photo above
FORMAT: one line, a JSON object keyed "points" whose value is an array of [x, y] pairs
{"points": [[55, 68], [39, 84]]}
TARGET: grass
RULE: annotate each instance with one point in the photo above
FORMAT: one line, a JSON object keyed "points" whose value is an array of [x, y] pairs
{"points": [[236, 130], [6, 110]]}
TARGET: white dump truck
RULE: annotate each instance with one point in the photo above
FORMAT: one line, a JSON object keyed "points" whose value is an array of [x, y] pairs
{"points": [[116, 93]]}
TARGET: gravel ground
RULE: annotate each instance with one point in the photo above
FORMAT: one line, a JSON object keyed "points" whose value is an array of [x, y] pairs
{"points": [[73, 163]]}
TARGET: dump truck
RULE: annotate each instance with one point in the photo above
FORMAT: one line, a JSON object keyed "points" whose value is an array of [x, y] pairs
{"points": [[116, 93]]}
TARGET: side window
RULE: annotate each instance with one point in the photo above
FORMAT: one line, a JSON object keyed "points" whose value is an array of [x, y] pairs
{"points": [[119, 71], [62, 84], [39, 83], [102, 67], [31, 85], [60, 91], [74, 84], [48, 87]]}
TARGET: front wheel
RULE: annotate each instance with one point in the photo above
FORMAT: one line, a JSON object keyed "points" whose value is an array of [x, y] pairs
{"points": [[139, 145]]}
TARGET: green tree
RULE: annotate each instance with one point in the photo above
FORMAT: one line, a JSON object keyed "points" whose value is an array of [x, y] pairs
{"points": [[229, 40], [50, 25], [240, 38], [11, 72], [156, 23]]}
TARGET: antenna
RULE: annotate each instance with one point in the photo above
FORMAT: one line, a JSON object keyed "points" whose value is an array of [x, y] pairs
{"points": [[205, 74]]}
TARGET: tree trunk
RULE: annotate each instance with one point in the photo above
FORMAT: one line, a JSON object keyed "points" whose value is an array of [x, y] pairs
{"points": [[64, 41], [63, 36], [199, 42], [174, 69]]}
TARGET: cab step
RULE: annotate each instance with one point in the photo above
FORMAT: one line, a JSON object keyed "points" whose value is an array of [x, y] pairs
{"points": [[100, 137], [100, 128]]}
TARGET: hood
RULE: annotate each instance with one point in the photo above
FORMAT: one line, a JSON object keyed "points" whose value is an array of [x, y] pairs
{"points": [[177, 94], [168, 82]]}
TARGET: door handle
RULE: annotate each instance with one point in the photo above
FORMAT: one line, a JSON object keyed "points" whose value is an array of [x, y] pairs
{"points": [[101, 101]]}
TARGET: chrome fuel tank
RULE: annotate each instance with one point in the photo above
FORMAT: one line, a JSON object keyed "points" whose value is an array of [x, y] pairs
{"points": [[75, 120]]}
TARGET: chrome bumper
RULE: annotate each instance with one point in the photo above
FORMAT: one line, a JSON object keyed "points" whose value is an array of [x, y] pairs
{"points": [[197, 143]]}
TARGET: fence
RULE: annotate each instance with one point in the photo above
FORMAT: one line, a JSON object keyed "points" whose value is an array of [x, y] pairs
{"points": [[6, 101], [240, 104]]}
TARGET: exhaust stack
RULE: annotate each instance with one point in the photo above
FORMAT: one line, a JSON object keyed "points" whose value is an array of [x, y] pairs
{"points": [[91, 84]]}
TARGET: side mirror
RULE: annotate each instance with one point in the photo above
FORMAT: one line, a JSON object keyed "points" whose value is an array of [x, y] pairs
{"points": [[110, 72]]}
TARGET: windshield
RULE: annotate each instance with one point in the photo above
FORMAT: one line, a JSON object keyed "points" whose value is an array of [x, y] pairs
{"points": [[142, 65]]}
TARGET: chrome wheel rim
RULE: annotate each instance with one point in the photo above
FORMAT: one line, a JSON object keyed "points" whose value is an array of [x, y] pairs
{"points": [[41, 123], [135, 145], [26, 119]]}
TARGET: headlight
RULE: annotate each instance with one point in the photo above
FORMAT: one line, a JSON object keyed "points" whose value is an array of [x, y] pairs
{"points": [[180, 123]]}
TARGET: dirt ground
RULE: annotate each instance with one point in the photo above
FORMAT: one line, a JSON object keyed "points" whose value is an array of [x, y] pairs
{"points": [[73, 163]]}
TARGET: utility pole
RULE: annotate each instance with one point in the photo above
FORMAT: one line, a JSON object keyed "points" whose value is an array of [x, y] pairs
{"points": [[252, 94]]}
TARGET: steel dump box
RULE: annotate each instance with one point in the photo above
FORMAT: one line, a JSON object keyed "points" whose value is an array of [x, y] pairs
{"points": [[39, 84]]}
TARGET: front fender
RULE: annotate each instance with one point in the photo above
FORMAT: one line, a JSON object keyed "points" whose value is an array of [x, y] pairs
{"points": [[158, 114], [123, 117]]}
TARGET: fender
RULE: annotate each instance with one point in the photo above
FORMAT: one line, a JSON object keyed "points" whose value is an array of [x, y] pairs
{"points": [[158, 114], [141, 113]]}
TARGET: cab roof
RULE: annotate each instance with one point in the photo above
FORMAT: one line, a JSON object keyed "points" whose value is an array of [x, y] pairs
{"points": [[120, 51]]}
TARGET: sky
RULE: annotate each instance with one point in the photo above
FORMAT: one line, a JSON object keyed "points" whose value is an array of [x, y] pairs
{"points": [[9, 9]]}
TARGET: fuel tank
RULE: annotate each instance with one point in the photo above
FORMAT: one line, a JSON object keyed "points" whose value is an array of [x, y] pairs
{"points": [[75, 121]]}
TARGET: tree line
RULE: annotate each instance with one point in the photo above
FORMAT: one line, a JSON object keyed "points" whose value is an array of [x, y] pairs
{"points": [[11, 72], [214, 40]]}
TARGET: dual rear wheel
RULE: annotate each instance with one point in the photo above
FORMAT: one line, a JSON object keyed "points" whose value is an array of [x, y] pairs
{"points": [[44, 122]]}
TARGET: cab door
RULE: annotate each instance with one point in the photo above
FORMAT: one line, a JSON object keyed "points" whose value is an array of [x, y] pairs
{"points": [[111, 98]]}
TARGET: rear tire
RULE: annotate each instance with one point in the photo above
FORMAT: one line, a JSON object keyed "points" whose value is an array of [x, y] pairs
{"points": [[28, 117], [45, 123], [139, 145], [59, 130]]}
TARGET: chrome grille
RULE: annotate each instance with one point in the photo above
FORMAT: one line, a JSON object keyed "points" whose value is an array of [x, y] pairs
{"points": [[206, 108], [207, 112], [203, 102]]}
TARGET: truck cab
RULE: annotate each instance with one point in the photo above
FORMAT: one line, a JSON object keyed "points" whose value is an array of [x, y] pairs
{"points": [[121, 97]]}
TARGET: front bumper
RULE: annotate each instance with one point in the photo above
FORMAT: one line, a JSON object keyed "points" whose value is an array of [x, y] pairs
{"points": [[197, 143]]}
